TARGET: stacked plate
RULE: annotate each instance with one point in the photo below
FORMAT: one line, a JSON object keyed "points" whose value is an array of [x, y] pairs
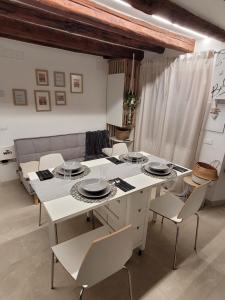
{"points": [[71, 168], [94, 188], [134, 157], [158, 168]]}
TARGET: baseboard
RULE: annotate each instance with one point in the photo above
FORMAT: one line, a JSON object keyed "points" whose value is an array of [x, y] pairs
{"points": [[214, 203]]}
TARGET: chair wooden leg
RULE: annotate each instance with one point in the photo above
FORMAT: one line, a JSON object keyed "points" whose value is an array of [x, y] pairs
{"points": [[36, 200], [196, 233], [39, 221], [81, 293], [130, 282], [175, 249], [162, 220], [52, 270]]}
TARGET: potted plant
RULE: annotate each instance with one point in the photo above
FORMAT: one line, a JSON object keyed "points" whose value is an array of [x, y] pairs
{"points": [[130, 102]]}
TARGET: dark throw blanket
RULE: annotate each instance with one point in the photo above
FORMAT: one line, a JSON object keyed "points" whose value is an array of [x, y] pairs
{"points": [[95, 141]]}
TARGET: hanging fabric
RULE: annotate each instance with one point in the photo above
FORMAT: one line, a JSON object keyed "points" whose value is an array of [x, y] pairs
{"points": [[175, 103]]}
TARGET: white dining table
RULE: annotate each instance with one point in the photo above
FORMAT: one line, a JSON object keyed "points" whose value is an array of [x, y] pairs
{"points": [[60, 205]]}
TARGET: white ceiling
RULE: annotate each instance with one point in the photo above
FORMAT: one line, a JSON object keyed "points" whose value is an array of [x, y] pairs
{"points": [[211, 10]]}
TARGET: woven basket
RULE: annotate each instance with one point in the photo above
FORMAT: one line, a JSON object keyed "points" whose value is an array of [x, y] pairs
{"points": [[122, 134], [205, 171]]}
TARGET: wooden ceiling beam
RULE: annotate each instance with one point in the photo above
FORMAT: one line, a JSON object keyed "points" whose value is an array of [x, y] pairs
{"points": [[179, 15], [35, 15], [100, 17], [36, 34]]}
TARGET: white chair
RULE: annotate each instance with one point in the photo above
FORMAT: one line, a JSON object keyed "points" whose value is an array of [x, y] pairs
{"points": [[49, 161], [94, 256], [52, 160], [117, 149], [172, 208]]}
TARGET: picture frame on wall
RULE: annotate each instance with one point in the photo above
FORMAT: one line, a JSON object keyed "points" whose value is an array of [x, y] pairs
{"points": [[60, 98], [59, 79], [42, 100], [19, 97], [76, 83], [42, 77]]}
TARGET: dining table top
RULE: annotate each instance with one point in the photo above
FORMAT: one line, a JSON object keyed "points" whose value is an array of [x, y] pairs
{"points": [[60, 205]]}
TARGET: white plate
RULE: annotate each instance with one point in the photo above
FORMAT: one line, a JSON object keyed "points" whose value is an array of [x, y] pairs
{"points": [[74, 173], [135, 155], [94, 185], [158, 173], [71, 165], [158, 167], [94, 196]]}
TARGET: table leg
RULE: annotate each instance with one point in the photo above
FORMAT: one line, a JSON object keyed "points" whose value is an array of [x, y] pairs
{"points": [[157, 194], [146, 220]]}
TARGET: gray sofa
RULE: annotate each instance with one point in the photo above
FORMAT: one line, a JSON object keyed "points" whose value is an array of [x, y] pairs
{"points": [[75, 146], [71, 146], [29, 150]]}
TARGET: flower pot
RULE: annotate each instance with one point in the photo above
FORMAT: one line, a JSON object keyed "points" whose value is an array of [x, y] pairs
{"points": [[122, 133], [205, 171]]}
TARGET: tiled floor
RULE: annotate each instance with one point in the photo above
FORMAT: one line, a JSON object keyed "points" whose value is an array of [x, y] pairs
{"points": [[25, 258]]}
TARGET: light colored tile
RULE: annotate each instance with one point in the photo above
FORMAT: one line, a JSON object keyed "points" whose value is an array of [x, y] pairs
{"points": [[25, 257]]}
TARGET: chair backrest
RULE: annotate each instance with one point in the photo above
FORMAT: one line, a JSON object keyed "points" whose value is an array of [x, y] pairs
{"points": [[50, 161], [106, 256], [118, 149], [193, 203]]}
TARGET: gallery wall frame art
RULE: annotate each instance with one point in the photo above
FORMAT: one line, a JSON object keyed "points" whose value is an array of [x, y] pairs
{"points": [[76, 83], [19, 97], [42, 100], [60, 98], [59, 79], [42, 77]]}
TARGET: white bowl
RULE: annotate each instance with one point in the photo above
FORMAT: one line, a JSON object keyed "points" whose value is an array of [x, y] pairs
{"points": [[159, 167], [94, 185], [134, 155], [71, 165]]}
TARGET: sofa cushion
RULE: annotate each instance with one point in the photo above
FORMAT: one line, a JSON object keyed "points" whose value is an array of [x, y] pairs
{"points": [[71, 146]]}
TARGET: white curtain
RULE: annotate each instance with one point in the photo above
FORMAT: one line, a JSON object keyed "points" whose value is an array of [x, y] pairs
{"points": [[175, 102]]}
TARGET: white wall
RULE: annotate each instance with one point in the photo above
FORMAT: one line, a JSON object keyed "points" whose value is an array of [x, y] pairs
{"points": [[83, 112], [213, 147], [214, 141]]}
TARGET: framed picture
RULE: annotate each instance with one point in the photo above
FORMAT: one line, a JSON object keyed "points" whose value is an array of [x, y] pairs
{"points": [[42, 100], [19, 96], [60, 98], [59, 79], [76, 83], [42, 77]]}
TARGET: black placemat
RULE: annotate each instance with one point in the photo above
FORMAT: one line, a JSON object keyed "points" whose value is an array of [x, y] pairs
{"points": [[179, 168], [121, 184], [44, 175], [115, 160]]}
